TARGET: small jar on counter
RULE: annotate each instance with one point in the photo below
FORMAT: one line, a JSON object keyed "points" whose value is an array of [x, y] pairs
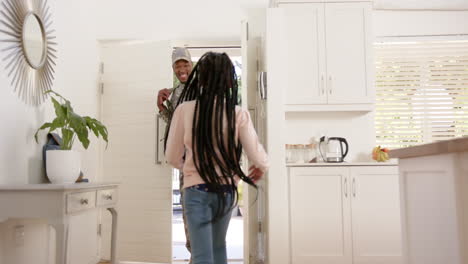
{"points": [[309, 153], [290, 153], [299, 153]]}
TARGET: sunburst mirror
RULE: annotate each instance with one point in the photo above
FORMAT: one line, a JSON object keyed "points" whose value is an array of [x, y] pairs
{"points": [[28, 50]]}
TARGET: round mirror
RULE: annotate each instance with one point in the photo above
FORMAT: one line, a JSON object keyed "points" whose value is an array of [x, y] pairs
{"points": [[34, 44], [29, 57]]}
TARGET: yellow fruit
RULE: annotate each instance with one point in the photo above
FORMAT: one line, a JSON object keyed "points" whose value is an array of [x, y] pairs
{"points": [[380, 157], [380, 154], [386, 156]]}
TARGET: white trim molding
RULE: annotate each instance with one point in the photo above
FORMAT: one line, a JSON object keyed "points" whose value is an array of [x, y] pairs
{"points": [[421, 4]]}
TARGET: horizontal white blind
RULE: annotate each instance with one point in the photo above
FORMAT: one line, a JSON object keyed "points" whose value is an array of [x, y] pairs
{"points": [[422, 92]]}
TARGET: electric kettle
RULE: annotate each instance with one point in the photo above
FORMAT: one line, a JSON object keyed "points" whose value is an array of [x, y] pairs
{"points": [[334, 151]]}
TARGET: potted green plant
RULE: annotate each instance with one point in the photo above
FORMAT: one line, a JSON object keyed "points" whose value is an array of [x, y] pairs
{"points": [[64, 165]]}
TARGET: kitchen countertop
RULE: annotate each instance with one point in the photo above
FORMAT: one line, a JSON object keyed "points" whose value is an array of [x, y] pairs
{"points": [[436, 148], [324, 164], [55, 187]]}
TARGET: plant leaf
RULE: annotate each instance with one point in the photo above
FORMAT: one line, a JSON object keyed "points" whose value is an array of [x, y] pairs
{"points": [[59, 110], [57, 123], [67, 136], [72, 124], [83, 137], [69, 108], [101, 129], [78, 124], [44, 126], [92, 125], [56, 94]]}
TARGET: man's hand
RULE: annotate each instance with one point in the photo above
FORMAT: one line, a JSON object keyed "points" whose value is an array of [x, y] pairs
{"points": [[255, 173], [163, 95]]}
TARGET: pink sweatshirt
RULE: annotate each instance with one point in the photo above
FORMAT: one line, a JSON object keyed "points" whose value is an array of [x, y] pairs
{"points": [[179, 142]]}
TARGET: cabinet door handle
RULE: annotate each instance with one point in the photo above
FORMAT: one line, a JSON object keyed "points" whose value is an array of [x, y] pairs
{"points": [[354, 187], [346, 187], [84, 201], [108, 196], [330, 87], [323, 84]]}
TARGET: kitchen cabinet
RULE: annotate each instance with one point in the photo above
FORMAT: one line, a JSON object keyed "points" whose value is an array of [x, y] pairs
{"points": [[345, 214], [434, 184], [376, 223], [320, 212], [328, 60]]}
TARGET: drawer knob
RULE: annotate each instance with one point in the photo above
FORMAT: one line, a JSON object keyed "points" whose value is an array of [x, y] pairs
{"points": [[84, 201], [108, 196]]}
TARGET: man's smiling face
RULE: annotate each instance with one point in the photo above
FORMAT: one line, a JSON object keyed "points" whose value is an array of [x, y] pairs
{"points": [[182, 70]]}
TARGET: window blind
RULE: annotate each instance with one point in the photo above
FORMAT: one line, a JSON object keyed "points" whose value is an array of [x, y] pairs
{"points": [[421, 92]]}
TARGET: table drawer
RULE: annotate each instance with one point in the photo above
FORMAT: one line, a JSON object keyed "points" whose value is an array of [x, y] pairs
{"points": [[81, 201], [106, 197]]}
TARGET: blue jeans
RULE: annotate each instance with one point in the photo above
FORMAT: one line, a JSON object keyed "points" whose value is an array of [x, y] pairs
{"points": [[207, 239]]}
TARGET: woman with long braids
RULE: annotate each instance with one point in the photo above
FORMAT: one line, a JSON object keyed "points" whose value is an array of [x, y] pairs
{"points": [[207, 134]]}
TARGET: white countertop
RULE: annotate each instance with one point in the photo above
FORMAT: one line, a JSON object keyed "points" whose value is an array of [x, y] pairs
{"points": [[436, 148], [56, 187], [342, 164]]}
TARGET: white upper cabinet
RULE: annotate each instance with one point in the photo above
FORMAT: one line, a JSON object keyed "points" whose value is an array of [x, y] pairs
{"points": [[305, 42], [328, 56], [348, 53]]}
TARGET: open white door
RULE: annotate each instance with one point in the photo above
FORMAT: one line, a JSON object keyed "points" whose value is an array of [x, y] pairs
{"points": [[253, 200], [132, 75], [278, 247]]}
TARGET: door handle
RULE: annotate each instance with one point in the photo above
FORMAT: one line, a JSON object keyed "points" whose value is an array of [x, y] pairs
{"points": [[346, 187], [330, 87], [354, 187], [262, 85], [322, 84]]}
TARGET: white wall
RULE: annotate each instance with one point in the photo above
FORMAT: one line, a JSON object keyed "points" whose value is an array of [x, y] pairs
{"points": [[76, 79], [419, 23], [173, 20], [422, 4], [356, 127]]}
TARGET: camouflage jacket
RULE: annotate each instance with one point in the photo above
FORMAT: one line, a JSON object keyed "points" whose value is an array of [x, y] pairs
{"points": [[171, 104]]}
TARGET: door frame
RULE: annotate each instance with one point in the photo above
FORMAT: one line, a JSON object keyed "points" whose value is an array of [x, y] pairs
{"points": [[191, 44]]}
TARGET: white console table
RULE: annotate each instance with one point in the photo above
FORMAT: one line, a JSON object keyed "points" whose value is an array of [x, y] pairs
{"points": [[56, 203]]}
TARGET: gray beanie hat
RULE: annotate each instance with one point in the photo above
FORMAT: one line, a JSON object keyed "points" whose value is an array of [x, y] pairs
{"points": [[180, 54]]}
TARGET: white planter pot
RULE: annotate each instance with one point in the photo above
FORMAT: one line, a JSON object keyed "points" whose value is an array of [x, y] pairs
{"points": [[63, 166]]}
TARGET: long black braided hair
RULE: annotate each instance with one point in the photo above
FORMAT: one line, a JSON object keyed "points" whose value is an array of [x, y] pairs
{"points": [[213, 86]]}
